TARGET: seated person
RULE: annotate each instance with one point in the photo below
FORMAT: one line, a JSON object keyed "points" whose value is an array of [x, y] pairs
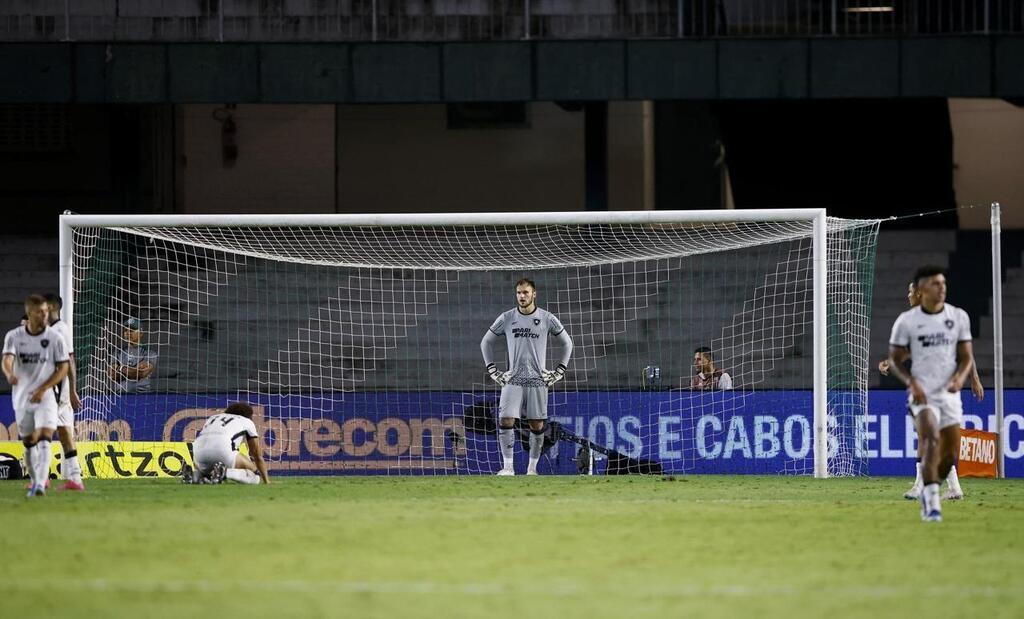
{"points": [[215, 450], [708, 377], [135, 363]]}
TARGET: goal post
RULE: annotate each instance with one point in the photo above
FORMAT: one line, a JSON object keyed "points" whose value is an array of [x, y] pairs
{"points": [[341, 327]]}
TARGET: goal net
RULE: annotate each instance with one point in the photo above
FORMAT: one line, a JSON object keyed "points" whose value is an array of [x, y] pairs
{"points": [[357, 339]]}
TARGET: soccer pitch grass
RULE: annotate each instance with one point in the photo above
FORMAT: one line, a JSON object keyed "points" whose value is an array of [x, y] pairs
{"points": [[512, 547]]}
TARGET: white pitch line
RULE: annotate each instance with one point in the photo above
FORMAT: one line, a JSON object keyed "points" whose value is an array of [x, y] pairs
{"points": [[472, 589]]}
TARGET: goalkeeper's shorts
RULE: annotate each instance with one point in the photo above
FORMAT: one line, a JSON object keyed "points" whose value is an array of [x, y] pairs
{"points": [[515, 398]]}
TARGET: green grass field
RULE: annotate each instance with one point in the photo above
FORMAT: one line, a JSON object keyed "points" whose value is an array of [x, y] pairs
{"points": [[512, 547]]}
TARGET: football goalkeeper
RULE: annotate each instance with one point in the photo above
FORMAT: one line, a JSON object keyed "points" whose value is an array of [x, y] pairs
{"points": [[526, 328]]}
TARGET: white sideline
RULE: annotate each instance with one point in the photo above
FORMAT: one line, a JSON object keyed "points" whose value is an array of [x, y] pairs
{"points": [[433, 588]]}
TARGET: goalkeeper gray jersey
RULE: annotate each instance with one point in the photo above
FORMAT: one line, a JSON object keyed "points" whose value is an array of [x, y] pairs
{"points": [[527, 338]]}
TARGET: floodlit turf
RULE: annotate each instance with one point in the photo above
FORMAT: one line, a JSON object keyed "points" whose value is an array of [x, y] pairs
{"points": [[512, 547]]}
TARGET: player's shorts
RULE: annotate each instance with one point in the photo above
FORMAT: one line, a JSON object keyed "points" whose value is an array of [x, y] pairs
{"points": [[514, 397], [65, 415], [948, 408], [43, 415], [211, 449]]}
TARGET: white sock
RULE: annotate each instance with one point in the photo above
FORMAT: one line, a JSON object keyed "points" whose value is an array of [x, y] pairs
{"points": [[918, 481], [953, 480], [42, 460], [930, 496], [507, 442], [242, 476], [536, 443], [30, 462], [74, 472]]}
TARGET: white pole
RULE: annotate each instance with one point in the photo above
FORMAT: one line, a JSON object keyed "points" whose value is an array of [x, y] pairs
{"points": [[66, 266], [820, 256], [997, 335]]}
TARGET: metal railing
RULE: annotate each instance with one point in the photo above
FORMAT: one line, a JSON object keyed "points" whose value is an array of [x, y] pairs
{"points": [[489, 20]]}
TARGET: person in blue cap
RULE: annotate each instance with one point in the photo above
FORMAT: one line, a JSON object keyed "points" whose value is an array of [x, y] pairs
{"points": [[135, 363]]}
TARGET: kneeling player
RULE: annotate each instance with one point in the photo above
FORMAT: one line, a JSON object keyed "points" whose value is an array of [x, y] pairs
{"points": [[215, 450]]}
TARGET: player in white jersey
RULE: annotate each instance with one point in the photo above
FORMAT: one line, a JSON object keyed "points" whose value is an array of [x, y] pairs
{"points": [[67, 401], [215, 450], [938, 337], [34, 362], [526, 328], [954, 492]]}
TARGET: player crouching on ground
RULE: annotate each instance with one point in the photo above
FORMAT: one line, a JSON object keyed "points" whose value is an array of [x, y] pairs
{"points": [[215, 450]]}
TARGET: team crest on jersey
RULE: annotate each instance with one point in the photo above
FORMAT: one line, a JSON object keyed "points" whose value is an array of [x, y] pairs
{"points": [[949, 324], [536, 321], [44, 343]]}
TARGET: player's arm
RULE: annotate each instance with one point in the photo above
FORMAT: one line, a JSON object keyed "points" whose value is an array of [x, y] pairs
{"points": [[9, 368], [898, 355], [553, 376], [57, 376], [976, 387], [257, 458], [964, 363], [486, 344], [76, 403]]}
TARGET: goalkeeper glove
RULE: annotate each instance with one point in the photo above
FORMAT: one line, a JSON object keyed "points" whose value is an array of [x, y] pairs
{"points": [[499, 377], [553, 376]]}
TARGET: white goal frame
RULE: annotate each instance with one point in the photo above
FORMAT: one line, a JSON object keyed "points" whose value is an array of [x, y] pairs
{"points": [[815, 215]]}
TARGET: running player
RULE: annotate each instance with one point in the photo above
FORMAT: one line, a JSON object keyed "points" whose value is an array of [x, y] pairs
{"points": [[938, 337], [953, 492], [34, 362]]}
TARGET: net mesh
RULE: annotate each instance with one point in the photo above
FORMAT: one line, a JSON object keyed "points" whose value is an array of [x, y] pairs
{"points": [[359, 346]]}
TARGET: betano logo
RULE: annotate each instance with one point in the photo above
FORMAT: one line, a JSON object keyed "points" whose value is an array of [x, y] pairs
{"points": [[977, 453]]}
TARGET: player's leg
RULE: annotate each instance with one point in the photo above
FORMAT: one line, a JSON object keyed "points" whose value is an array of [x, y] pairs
{"points": [[38, 453], [927, 421], [537, 414], [69, 468], [25, 421], [44, 420], [509, 407], [914, 493], [949, 444], [243, 471], [211, 454]]}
